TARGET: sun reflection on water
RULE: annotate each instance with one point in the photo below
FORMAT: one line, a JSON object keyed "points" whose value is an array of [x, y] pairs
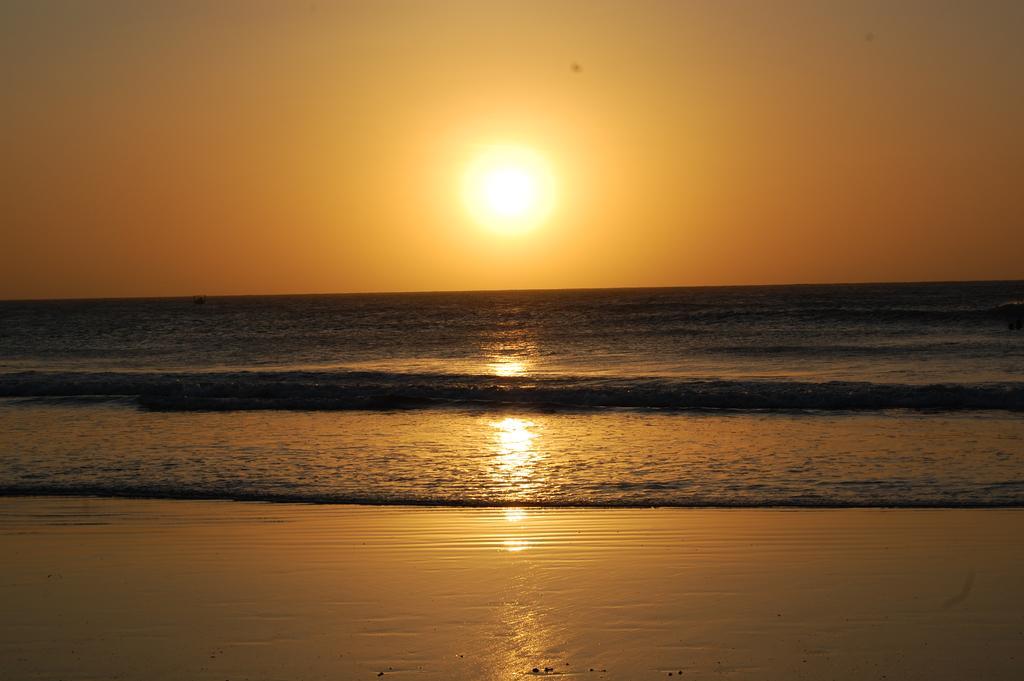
{"points": [[510, 351], [515, 454], [507, 368], [514, 435]]}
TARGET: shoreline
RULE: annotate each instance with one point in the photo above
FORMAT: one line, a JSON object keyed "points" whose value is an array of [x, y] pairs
{"points": [[639, 288]]}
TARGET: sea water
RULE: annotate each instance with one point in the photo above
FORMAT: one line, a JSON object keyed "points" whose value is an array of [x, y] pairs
{"points": [[882, 394]]}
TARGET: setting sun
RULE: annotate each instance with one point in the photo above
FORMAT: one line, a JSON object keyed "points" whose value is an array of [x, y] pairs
{"points": [[509, 189]]}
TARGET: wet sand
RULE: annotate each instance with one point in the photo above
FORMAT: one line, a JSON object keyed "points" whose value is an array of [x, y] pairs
{"points": [[132, 589]]}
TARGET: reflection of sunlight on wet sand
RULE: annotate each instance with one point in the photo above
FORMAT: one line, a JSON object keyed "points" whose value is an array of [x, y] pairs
{"points": [[527, 636], [515, 456], [517, 517], [526, 631]]}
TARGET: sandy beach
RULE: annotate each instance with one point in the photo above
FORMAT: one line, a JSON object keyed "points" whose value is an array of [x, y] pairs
{"points": [[133, 589]]}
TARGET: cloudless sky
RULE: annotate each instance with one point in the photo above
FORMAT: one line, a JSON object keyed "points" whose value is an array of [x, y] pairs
{"points": [[174, 148]]}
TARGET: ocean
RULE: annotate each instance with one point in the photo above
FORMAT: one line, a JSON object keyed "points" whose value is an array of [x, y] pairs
{"points": [[830, 395]]}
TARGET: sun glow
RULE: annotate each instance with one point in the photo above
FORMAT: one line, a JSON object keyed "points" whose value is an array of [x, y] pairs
{"points": [[509, 189]]}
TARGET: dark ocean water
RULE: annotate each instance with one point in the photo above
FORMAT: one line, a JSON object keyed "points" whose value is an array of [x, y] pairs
{"points": [[800, 356], [944, 346]]}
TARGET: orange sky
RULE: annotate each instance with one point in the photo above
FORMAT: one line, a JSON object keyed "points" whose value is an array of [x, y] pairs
{"points": [[230, 148]]}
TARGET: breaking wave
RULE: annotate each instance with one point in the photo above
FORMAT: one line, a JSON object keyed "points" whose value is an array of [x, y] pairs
{"points": [[375, 391], [1010, 309]]}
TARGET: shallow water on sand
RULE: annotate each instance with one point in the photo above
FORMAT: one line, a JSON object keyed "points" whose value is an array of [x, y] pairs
{"points": [[610, 458], [214, 590]]}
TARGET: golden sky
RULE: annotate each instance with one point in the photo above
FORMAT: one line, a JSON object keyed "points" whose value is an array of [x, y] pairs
{"points": [[174, 148]]}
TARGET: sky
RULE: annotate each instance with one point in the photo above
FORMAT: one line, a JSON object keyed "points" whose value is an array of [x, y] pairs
{"points": [[179, 148]]}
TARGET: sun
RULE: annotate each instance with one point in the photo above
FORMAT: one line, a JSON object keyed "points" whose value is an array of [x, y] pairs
{"points": [[509, 188]]}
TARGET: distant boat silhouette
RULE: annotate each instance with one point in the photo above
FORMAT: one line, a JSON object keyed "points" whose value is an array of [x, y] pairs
{"points": [[199, 300]]}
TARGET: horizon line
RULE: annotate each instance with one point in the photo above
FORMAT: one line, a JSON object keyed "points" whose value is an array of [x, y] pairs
{"points": [[509, 290]]}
